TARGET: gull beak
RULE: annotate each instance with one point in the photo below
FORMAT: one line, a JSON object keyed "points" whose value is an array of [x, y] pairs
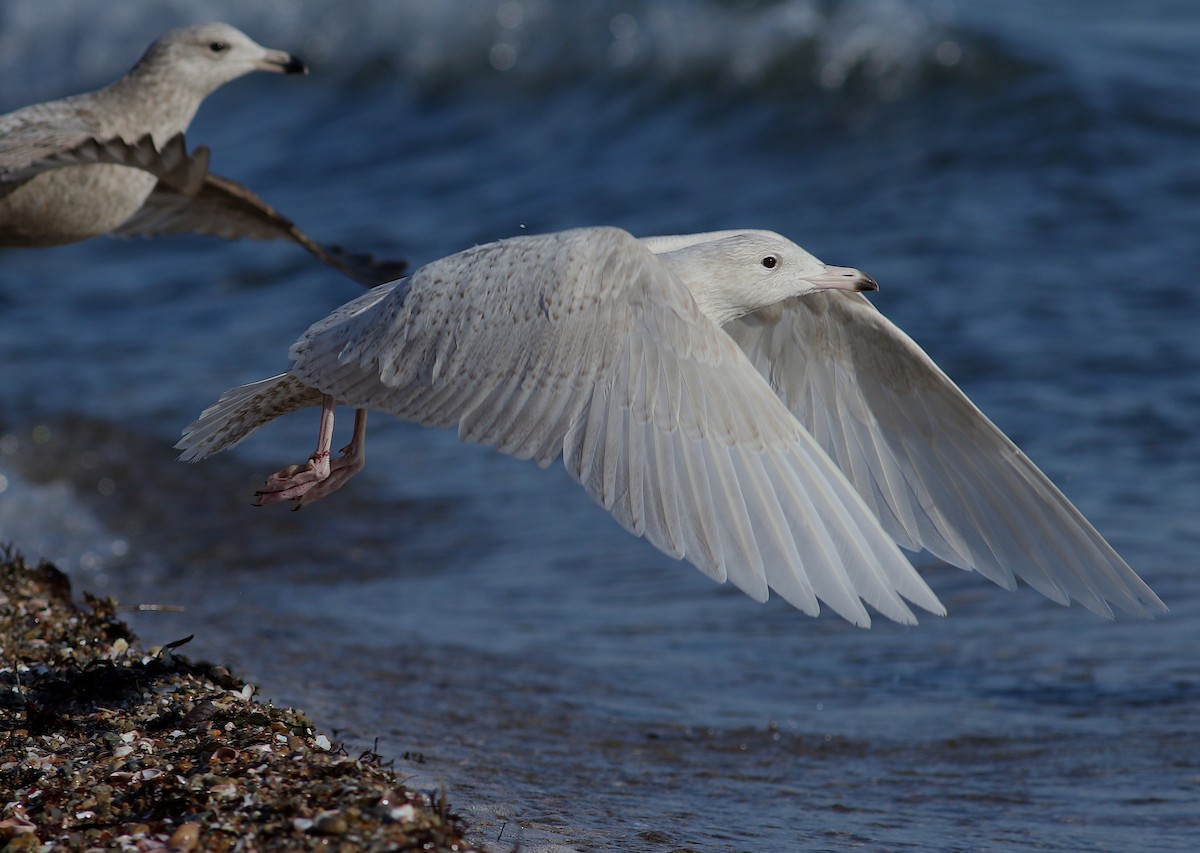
{"points": [[843, 278], [281, 62]]}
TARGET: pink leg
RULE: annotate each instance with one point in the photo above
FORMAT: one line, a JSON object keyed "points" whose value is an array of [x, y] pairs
{"points": [[353, 458], [318, 477]]}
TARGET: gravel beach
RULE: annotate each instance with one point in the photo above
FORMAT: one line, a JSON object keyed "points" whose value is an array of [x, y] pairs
{"points": [[107, 745]]}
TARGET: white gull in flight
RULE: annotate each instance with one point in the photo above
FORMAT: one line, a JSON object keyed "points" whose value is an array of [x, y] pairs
{"points": [[113, 161], [725, 395]]}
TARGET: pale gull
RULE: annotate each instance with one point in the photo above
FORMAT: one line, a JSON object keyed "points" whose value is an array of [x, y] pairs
{"points": [[725, 395], [113, 161]]}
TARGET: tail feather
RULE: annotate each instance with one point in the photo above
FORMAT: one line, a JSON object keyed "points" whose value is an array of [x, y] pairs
{"points": [[241, 411]]}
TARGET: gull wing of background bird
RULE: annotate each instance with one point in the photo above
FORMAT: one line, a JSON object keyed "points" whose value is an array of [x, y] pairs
{"points": [[935, 470], [186, 199], [656, 412], [227, 209]]}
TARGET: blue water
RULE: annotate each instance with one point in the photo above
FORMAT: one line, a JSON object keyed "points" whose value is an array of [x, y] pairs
{"points": [[1023, 178]]}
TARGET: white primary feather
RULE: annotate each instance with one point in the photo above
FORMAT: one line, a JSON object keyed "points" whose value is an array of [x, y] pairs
{"points": [[937, 473]]}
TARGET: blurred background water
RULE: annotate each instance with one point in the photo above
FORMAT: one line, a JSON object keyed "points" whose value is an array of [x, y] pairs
{"points": [[1022, 178]]}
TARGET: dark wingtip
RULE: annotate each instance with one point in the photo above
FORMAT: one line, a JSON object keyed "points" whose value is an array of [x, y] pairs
{"points": [[365, 267], [295, 65]]}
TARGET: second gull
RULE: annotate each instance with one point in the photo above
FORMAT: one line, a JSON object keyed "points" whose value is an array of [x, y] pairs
{"points": [[113, 161]]}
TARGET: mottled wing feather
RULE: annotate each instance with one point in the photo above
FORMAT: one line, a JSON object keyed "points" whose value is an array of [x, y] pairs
{"points": [[584, 344], [932, 467], [171, 163], [240, 411], [33, 134]]}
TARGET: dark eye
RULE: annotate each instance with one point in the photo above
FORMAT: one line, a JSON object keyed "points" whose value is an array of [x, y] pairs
{"points": [[770, 262], [219, 46]]}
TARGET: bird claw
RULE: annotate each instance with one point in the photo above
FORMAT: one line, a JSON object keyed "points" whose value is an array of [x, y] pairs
{"points": [[294, 481], [315, 479]]}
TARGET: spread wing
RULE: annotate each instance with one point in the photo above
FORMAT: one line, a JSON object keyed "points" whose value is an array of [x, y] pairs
{"points": [[934, 469], [584, 344], [223, 208]]}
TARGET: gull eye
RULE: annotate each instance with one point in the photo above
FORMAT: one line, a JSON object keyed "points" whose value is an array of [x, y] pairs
{"points": [[219, 46], [770, 262]]}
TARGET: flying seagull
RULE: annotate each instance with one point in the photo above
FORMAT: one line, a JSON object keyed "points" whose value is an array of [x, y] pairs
{"points": [[725, 395], [114, 161]]}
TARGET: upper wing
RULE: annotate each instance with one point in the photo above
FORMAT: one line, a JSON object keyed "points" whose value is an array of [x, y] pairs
{"points": [[585, 344], [33, 132], [53, 149], [223, 208], [935, 470]]}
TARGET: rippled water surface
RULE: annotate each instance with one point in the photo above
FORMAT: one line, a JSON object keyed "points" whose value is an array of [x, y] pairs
{"points": [[1023, 180]]}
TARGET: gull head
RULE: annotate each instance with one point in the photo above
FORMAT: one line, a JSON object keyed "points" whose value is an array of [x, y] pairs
{"points": [[205, 57], [734, 273]]}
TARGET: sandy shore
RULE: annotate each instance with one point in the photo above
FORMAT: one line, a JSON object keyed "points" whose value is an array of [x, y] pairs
{"points": [[106, 745]]}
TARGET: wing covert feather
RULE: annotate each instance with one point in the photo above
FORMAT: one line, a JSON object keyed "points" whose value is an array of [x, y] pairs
{"points": [[38, 131]]}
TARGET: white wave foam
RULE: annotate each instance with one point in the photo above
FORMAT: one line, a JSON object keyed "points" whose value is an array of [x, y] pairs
{"points": [[50, 522], [47, 47]]}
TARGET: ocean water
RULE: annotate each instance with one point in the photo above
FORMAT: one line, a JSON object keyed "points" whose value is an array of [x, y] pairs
{"points": [[1022, 178]]}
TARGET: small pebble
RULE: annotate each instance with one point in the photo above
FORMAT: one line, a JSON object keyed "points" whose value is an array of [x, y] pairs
{"points": [[403, 814], [330, 823], [185, 839]]}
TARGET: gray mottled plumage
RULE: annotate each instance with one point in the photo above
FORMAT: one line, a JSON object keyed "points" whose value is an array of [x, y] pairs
{"points": [[721, 394], [113, 161]]}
